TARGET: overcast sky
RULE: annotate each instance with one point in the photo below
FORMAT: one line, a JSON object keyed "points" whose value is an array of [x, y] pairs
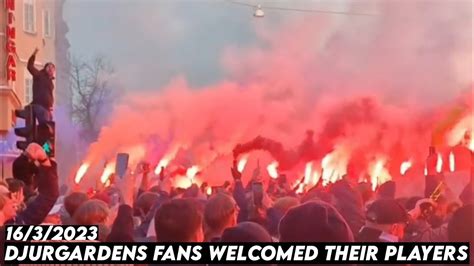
{"points": [[151, 41]]}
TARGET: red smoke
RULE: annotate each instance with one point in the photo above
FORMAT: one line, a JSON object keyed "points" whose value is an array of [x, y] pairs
{"points": [[374, 88]]}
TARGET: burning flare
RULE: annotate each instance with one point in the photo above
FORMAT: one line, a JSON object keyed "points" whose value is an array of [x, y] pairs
{"points": [[191, 172], [242, 163], [439, 164], [327, 172], [308, 172], [316, 177], [108, 170], [404, 167], [272, 169], [167, 158], [378, 174], [162, 164], [81, 172], [300, 189], [452, 162], [334, 165], [182, 182]]}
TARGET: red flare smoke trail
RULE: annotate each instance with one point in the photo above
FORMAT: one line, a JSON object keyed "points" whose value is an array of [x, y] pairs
{"points": [[354, 83]]}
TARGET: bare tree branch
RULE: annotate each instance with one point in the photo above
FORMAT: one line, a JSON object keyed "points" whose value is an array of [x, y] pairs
{"points": [[90, 92]]}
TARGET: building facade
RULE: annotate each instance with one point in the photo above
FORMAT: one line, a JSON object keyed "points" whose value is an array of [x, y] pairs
{"points": [[24, 26]]}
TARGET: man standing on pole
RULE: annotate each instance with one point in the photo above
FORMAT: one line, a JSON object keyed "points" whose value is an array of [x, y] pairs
{"points": [[43, 87]]}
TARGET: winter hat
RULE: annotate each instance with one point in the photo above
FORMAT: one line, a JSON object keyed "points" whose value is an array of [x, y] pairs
{"points": [[246, 232], [314, 221], [387, 190]]}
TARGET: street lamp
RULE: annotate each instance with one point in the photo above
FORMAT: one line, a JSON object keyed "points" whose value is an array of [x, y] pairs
{"points": [[259, 12]]}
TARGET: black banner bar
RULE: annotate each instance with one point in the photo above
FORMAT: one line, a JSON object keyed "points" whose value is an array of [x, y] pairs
{"points": [[234, 253]]}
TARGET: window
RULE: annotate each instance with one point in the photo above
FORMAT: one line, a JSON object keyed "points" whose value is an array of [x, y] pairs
{"points": [[29, 16], [28, 90], [47, 23]]}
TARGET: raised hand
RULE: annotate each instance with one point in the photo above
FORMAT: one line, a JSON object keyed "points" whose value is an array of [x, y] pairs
{"points": [[36, 153], [126, 187], [256, 171]]}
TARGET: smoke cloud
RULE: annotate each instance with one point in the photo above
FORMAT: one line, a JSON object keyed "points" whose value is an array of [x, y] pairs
{"points": [[377, 86]]}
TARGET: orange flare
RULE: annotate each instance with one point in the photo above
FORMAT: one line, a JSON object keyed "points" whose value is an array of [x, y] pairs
{"points": [[378, 173], [404, 167], [272, 169], [334, 165], [108, 170], [242, 163], [191, 172], [163, 163], [307, 172], [182, 182], [439, 164], [81, 172], [452, 162]]}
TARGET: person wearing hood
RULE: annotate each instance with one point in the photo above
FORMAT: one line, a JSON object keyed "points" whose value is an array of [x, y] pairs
{"points": [[314, 221], [349, 204], [245, 232]]}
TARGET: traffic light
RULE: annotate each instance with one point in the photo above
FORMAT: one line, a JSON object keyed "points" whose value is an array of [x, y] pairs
{"points": [[45, 137], [29, 130]]}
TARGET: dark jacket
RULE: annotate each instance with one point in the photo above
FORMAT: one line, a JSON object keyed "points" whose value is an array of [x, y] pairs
{"points": [[122, 229], [43, 85], [37, 210], [349, 204], [48, 193], [368, 234], [241, 200]]}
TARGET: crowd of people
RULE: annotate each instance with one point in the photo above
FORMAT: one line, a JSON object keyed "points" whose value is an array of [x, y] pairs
{"points": [[258, 211]]}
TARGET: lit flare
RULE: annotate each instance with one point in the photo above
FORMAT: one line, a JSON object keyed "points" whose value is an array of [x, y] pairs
{"points": [[439, 164], [405, 166], [81, 172], [452, 162], [241, 164], [272, 169], [108, 170]]}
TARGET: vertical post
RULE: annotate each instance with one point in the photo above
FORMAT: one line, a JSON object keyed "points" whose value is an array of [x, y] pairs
{"points": [[472, 168], [3, 168], [3, 158]]}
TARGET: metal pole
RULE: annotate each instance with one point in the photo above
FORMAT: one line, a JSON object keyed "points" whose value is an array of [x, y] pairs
{"points": [[3, 166], [3, 158]]}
